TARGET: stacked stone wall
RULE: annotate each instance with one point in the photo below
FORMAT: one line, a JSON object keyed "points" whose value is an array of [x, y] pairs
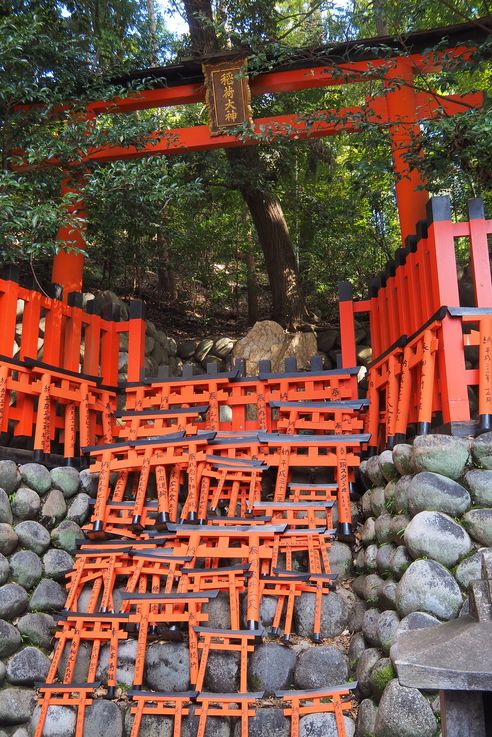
{"points": [[41, 513], [426, 515]]}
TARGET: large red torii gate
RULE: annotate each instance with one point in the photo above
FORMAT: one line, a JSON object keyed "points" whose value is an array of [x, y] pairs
{"points": [[400, 109]]}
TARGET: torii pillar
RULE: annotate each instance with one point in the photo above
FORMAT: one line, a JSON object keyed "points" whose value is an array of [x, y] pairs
{"points": [[404, 132], [68, 264]]}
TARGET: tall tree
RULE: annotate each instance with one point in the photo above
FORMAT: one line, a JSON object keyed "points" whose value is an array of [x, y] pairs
{"points": [[288, 302]]}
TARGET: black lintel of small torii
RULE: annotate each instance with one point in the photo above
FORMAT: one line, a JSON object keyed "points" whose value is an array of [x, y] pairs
{"points": [[455, 658]]}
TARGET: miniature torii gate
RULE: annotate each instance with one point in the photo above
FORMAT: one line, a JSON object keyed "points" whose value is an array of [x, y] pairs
{"points": [[399, 109]]}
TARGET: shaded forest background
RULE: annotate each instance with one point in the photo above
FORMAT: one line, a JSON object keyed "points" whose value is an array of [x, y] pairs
{"points": [[184, 232]]}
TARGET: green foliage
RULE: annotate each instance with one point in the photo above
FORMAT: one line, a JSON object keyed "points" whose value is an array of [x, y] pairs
{"points": [[185, 212]]}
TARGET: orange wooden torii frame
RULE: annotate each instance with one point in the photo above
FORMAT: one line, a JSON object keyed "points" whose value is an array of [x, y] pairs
{"points": [[399, 110]]}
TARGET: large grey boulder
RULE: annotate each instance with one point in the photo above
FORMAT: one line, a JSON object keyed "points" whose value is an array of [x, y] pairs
{"points": [[89, 482], [4, 569], [478, 522], [267, 722], [387, 465], [374, 472], [400, 498], [334, 614], [33, 536], [365, 664], [65, 536], [482, 450], [384, 556], [370, 558], [127, 653], [38, 628], [48, 596], [26, 568], [324, 725], [35, 476], [387, 628], [271, 668], [103, 718], [469, 569], [382, 527], [441, 454], [387, 596], [57, 563], [13, 600], [403, 459], [404, 712], [320, 667], [8, 538], [381, 674], [340, 557], [416, 621], [10, 639], [16, 705], [66, 479], [27, 667], [369, 627], [480, 484], [435, 492], [26, 503], [54, 508], [152, 725], [368, 531], [167, 666], [79, 509], [378, 501], [222, 673], [437, 536], [60, 721], [219, 612], [5, 511], [427, 586], [400, 560], [366, 718], [9, 476]]}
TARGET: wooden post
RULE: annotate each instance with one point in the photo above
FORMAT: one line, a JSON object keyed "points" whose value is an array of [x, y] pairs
{"points": [[68, 266], [411, 196]]}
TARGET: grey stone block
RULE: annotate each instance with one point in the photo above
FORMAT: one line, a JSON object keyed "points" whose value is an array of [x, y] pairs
{"points": [[57, 563], [127, 653], [35, 476], [5, 511], [366, 718], [66, 479], [27, 667], [334, 615], [435, 535], [320, 667], [9, 476], [167, 666], [427, 586], [26, 568], [26, 503], [369, 627], [48, 596], [54, 508], [365, 664], [482, 450], [8, 539], [60, 721], [478, 522], [271, 668], [403, 459], [103, 718], [268, 722], [13, 600], [10, 639], [437, 493], [33, 536], [404, 712], [79, 509], [4, 569], [324, 725], [16, 705], [441, 454], [37, 628], [387, 628], [480, 485], [65, 536]]}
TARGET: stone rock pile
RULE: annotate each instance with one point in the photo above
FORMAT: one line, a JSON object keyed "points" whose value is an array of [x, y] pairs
{"points": [[427, 515], [41, 512]]}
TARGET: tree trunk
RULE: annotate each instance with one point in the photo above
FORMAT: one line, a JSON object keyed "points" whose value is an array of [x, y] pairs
{"points": [[288, 303], [153, 32]]}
